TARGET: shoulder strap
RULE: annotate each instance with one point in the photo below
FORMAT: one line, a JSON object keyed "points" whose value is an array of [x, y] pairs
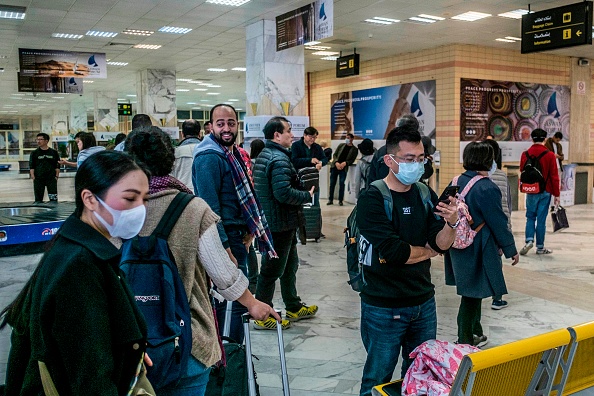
{"points": [[387, 195], [425, 196], [542, 155], [175, 209], [455, 180], [469, 185]]}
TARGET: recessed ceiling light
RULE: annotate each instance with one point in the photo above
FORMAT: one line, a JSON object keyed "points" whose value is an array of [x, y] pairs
{"points": [[312, 43], [420, 20], [96, 33], [67, 36], [382, 21], [200, 89], [182, 90], [192, 103], [117, 63], [205, 100], [183, 79], [238, 109], [325, 53], [204, 84], [214, 86], [471, 16], [18, 94], [317, 48], [57, 97], [329, 58], [513, 38], [12, 12], [131, 95], [213, 93], [216, 69], [233, 100], [88, 81], [122, 99], [136, 32], [239, 69], [515, 14], [431, 17], [147, 46], [194, 82], [175, 30], [505, 40], [235, 3]]}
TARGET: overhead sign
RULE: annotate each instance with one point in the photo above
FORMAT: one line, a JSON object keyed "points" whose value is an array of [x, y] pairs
{"points": [[53, 63], [124, 109], [69, 85], [560, 27], [347, 66], [311, 22]]}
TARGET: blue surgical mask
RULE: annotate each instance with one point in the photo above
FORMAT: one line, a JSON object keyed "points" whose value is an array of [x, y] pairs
{"points": [[347, 141], [493, 169], [408, 173]]}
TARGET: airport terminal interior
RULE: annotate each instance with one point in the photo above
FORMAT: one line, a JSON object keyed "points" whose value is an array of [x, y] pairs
{"points": [[466, 69]]}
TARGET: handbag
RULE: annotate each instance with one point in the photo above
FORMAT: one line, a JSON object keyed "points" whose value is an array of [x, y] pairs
{"points": [[559, 216], [309, 177]]}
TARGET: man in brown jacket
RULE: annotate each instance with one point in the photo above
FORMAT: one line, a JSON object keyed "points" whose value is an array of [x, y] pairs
{"points": [[553, 144]]}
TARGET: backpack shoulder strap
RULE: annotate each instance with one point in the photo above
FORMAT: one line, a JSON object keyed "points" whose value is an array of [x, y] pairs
{"points": [[425, 196], [541, 155], [175, 209], [469, 185], [387, 195], [455, 180]]}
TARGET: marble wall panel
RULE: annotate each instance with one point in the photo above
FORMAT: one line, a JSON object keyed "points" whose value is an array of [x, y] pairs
{"points": [[106, 111], [156, 96], [78, 117]]}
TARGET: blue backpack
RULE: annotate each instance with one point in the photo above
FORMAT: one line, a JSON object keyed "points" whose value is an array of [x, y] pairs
{"points": [[152, 275]]}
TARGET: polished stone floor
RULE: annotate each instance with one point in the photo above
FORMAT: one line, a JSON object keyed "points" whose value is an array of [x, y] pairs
{"points": [[325, 355]]}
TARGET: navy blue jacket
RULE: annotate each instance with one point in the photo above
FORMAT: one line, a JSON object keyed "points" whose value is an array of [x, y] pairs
{"points": [[301, 155]]}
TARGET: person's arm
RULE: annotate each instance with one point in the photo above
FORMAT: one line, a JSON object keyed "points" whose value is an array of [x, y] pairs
{"points": [[32, 165], [319, 154], [488, 201], [353, 153], [299, 157], [560, 154], [283, 191], [551, 173], [440, 234]]}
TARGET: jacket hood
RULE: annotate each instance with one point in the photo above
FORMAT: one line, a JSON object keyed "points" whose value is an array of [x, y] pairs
{"points": [[208, 144]]}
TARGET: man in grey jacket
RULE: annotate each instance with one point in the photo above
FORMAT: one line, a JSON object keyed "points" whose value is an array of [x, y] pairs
{"points": [[184, 153]]}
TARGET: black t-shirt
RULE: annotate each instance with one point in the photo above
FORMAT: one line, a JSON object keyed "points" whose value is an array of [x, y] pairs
{"points": [[395, 284], [44, 162]]}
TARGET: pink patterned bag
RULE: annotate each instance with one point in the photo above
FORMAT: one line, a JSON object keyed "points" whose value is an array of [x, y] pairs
{"points": [[464, 232]]}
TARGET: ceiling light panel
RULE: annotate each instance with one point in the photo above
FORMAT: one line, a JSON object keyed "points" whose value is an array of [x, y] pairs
{"points": [[513, 38], [312, 43], [200, 89], [381, 21], [97, 33], [235, 3], [471, 16], [117, 63], [12, 12], [420, 20], [329, 58], [505, 40], [515, 14], [213, 93], [436, 18], [136, 32], [147, 46], [216, 70], [175, 30], [182, 90], [67, 36], [88, 81], [317, 48], [325, 53], [239, 69]]}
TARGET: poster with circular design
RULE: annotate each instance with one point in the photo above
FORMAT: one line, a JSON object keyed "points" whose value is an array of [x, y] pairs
{"points": [[523, 130], [500, 101], [472, 100], [553, 102], [500, 127], [528, 86], [525, 105]]}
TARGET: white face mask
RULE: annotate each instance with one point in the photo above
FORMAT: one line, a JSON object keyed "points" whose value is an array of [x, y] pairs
{"points": [[126, 223], [347, 141]]}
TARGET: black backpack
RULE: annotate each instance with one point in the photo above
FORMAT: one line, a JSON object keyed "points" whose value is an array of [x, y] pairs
{"points": [[531, 179], [358, 248], [152, 275]]}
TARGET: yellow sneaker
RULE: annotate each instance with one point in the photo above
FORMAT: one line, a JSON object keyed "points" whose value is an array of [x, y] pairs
{"points": [[304, 312], [270, 324]]}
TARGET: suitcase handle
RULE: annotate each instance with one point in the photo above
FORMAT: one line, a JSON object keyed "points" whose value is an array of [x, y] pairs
{"points": [[246, 317]]}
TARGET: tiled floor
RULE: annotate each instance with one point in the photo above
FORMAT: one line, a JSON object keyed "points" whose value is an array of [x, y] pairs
{"points": [[325, 355]]}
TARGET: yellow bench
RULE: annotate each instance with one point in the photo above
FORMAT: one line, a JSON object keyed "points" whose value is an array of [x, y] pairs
{"points": [[581, 375]]}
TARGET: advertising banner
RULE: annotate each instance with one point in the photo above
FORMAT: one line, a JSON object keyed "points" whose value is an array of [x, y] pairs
{"points": [[254, 127], [68, 85], [510, 111], [53, 63], [311, 22], [372, 113]]}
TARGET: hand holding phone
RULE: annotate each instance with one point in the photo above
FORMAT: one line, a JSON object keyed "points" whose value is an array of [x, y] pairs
{"points": [[449, 191]]}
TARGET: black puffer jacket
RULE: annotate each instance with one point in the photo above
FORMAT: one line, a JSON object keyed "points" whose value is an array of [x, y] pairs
{"points": [[275, 181]]}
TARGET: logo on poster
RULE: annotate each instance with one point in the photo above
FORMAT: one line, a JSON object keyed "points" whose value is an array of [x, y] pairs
{"points": [[49, 231]]}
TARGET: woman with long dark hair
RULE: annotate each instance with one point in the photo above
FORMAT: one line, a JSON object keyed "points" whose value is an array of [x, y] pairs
{"points": [[76, 316]]}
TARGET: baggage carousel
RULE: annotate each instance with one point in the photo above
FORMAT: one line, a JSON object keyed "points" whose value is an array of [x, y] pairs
{"points": [[26, 227]]}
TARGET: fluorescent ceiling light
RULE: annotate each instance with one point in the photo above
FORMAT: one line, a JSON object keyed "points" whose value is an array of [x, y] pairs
{"points": [[183, 79], [312, 43], [131, 95], [424, 21], [192, 103], [329, 58], [200, 89], [471, 16], [431, 17], [513, 38], [182, 90], [136, 32], [117, 63], [235, 3], [194, 82], [57, 97], [386, 19], [515, 14], [122, 99], [88, 81], [18, 94], [213, 93], [205, 100], [147, 46], [175, 30], [505, 40], [67, 36], [378, 21], [216, 69], [96, 33], [325, 53], [317, 48], [12, 12], [233, 100], [239, 69], [214, 86]]}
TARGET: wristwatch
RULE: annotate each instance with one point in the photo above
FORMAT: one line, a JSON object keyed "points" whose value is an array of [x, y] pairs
{"points": [[453, 225]]}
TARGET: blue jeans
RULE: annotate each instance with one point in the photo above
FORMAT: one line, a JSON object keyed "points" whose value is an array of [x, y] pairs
{"points": [[193, 383], [334, 175], [537, 207], [385, 331], [238, 249]]}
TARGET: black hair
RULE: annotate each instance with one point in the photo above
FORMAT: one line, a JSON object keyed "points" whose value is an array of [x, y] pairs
{"points": [[275, 124], [408, 119], [191, 128], [88, 140], [538, 135], [558, 135], [79, 134], [120, 137], [256, 147], [152, 147], [97, 174], [221, 105], [208, 123], [310, 131], [477, 156], [44, 135], [350, 135], [140, 120], [496, 151], [404, 133]]}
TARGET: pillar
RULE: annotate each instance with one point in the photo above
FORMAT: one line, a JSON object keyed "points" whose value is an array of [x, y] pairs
{"points": [[78, 117], [155, 94], [106, 111]]}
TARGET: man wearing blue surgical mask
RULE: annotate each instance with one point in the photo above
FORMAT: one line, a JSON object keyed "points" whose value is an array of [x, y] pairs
{"points": [[397, 304], [344, 156]]}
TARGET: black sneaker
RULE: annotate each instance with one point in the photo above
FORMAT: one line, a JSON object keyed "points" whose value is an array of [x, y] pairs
{"points": [[479, 341], [498, 304], [340, 203], [329, 203]]}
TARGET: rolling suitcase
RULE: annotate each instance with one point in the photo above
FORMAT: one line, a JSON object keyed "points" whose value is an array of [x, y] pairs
{"points": [[249, 363], [313, 222]]}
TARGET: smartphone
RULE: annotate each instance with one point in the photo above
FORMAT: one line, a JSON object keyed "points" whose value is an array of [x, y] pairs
{"points": [[449, 191]]}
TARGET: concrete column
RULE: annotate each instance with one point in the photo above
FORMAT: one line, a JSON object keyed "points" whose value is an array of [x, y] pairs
{"points": [[155, 94], [78, 117], [106, 111], [275, 81], [579, 140]]}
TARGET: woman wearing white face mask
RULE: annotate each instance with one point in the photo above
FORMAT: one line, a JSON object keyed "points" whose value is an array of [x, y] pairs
{"points": [[76, 314]]}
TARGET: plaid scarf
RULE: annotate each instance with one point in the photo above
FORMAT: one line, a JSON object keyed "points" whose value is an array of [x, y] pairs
{"points": [[161, 183], [250, 206]]}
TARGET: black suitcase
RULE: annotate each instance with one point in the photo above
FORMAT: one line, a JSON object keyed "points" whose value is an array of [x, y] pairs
{"points": [[309, 177], [313, 222]]}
